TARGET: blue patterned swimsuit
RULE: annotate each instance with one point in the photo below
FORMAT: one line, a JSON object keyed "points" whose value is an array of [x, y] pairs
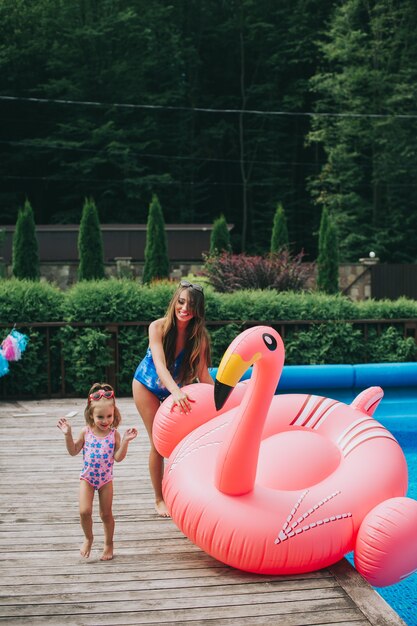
{"points": [[98, 454], [146, 374]]}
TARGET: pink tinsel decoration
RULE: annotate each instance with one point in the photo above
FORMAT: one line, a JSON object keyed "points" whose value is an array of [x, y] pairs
{"points": [[10, 349]]}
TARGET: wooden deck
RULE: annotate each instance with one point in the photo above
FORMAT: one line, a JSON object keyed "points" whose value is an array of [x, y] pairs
{"points": [[157, 575]]}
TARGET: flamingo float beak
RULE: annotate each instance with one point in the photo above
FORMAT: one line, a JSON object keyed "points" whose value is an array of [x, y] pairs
{"points": [[231, 369], [221, 393]]}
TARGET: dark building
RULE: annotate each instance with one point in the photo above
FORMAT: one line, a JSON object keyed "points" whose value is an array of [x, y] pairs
{"points": [[58, 243]]}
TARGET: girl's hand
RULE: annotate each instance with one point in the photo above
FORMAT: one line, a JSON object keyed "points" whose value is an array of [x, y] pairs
{"points": [[64, 426], [130, 434], [182, 400]]}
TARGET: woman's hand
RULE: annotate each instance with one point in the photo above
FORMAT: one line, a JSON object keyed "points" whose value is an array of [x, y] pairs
{"points": [[182, 400]]}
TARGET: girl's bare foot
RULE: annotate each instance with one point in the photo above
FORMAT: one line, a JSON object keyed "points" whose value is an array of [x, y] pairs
{"points": [[161, 508], [107, 552], [86, 548]]}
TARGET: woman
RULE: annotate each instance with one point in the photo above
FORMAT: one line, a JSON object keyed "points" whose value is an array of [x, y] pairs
{"points": [[178, 354]]}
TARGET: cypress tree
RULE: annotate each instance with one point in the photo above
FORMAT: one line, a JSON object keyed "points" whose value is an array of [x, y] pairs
{"points": [[156, 255], [25, 255], [90, 244], [328, 258], [279, 237], [220, 237]]}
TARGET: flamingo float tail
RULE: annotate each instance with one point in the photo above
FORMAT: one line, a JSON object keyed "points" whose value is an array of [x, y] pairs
{"points": [[368, 400], [237, 460]]}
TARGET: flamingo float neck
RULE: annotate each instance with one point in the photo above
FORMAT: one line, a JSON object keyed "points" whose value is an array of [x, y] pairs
{"points": [[237, 460]]}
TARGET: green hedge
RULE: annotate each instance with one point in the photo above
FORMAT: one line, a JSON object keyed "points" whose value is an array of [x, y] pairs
{"points": [[87, 351], [28, 301]]}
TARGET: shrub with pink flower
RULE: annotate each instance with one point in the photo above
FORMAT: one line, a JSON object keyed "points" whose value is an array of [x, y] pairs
{"points": [[281, 271]]}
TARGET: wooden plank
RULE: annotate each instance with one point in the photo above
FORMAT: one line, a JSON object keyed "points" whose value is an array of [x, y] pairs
{"points": [[137, 591], [200, 618], [182, 608], [137, 582]]}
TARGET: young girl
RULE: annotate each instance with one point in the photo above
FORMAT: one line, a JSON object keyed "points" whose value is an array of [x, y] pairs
{"points": [[101, 445], [178, 354]]}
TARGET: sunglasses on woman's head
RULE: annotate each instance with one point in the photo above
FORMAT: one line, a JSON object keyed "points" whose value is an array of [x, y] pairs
{"points": [[101, 393], [185, 283]]}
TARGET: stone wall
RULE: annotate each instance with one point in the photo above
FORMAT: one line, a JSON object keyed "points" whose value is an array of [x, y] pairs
{"points": [[63, 275], [355, 281]]}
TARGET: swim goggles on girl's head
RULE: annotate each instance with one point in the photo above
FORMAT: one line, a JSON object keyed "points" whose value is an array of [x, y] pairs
{"points": [[101, 393], [185, 283]]}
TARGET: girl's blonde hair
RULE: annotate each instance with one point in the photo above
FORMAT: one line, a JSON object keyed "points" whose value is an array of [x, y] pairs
{"points": [[88, 411], [197, 338]]}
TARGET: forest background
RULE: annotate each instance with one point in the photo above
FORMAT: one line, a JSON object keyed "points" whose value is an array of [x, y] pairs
{"points": [[216, 107]]}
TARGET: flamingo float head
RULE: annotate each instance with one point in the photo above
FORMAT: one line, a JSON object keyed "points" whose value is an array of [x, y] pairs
{"points": [[247, 349]]}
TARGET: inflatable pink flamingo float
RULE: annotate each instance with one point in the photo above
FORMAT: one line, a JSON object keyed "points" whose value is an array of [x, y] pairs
{"points": [[288, 483]]}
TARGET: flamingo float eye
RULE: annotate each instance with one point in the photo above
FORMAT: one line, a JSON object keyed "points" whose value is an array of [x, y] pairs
{"points": [[270, 341]]}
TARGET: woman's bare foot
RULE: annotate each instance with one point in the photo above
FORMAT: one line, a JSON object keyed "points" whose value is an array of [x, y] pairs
{"points": [[107, 552], [161, 508], [86, 548]]}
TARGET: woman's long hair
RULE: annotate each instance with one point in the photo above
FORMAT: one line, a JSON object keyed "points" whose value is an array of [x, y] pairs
{"points": [[197, 339]]}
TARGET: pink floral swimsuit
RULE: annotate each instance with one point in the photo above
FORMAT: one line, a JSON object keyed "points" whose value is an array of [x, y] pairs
{"points": [[98, 455]]}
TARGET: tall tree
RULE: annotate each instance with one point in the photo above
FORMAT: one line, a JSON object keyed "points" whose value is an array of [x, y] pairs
{"points": [[106, 54], [328, 259], [204, 104], [279, 236], [90, 244], [156, 254], [25, 254], [220, 236], [367, 126]]}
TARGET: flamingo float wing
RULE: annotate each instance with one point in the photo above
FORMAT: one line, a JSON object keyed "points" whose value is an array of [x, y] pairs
{"points": [[386, 545]]}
